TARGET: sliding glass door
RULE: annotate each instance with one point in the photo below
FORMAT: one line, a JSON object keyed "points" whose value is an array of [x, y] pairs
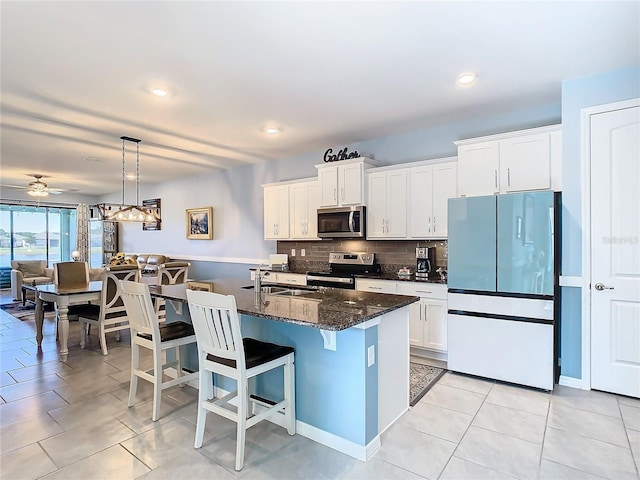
{"points": [[36, 233]]}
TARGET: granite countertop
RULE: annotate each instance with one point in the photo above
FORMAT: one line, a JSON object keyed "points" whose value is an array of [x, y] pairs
{"points": [[404, 278], [324, 308]]}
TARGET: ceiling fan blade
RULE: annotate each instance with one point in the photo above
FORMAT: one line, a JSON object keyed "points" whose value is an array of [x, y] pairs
{"points": [[21, 187]]}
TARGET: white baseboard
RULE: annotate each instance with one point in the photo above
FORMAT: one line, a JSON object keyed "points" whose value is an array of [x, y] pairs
{"points": [[572, 382]]}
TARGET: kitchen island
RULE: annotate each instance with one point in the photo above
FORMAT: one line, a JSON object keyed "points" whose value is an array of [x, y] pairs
{"points": [[352, 357]]}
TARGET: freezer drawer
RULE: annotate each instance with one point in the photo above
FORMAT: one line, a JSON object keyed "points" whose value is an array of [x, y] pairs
{"points": [[511, 351]]}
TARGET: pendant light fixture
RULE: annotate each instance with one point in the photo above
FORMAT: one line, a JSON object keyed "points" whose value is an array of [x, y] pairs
{"points": [[123, 212]]}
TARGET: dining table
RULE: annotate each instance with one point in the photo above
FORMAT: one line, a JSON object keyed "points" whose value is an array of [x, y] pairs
{"points": [[63, 297]]}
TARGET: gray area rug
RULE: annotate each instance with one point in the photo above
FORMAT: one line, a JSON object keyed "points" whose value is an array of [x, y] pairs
{"points": [[422, 378], [26, 312]]}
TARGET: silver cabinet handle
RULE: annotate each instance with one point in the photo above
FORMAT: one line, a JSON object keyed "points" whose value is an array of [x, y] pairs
{"points": [[509, 176], [601, 286], [434, 224], [423, 291], [342, 193], [495, 177], [429, 223], [335, 194], [375, 288]]}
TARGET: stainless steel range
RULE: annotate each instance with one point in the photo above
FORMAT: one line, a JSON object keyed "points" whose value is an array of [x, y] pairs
{"points": [[343, 267]]}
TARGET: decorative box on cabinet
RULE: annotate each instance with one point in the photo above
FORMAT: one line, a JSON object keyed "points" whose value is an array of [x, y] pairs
{"points": [[511, 162], [387, 204], [428, 317], [430, 188], [342, 183]]}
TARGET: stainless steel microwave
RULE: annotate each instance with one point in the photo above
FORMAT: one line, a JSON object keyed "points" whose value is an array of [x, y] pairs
{"points": [[342, 222]]}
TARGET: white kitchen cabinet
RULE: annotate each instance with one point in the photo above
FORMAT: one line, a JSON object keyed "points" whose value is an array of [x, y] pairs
{"points": [[430, 188], [342, 184], [428, 317], [304, 199], [511, 162], [387, 204], [375, 285], [276, 212]]}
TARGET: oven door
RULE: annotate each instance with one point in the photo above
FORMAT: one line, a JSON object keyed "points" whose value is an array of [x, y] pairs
{"points": [[343, 222]]}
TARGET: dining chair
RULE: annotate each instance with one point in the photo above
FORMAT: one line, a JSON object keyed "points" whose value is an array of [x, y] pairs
{"points": [[148, 333], [74, 275], [170, 273], [222, 350], [112, 315]]}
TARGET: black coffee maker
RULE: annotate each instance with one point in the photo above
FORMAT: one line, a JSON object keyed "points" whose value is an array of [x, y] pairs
{"points": [[425, 261]]}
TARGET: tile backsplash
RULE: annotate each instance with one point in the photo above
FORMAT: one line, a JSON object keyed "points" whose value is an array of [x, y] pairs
{"points": [[390, 254]]}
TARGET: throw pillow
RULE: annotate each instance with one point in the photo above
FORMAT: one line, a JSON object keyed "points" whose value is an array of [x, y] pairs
{"points": [[31, 269]]}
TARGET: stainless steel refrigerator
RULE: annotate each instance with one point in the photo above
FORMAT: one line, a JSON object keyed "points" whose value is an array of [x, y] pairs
{"points": [[503, 306]]}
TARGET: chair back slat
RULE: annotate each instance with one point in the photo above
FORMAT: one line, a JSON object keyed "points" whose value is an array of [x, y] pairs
{"points": [[217, 325], [71, 274], [142, 317]]}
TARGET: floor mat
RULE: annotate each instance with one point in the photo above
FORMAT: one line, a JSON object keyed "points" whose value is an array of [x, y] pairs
{"points": [[422, 378], [26, 312]]}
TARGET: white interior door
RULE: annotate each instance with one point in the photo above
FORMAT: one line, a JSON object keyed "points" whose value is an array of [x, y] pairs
{"points": [[615, 251]]}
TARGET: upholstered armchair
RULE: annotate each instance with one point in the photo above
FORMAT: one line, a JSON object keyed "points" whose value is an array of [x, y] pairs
{"points": [[28, 271]]}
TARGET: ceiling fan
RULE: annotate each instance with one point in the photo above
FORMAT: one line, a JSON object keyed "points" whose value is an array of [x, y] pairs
{"points": [[37, 188]]}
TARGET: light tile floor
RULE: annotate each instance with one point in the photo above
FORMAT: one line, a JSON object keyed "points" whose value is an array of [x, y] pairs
{"points": [[70, 420]]}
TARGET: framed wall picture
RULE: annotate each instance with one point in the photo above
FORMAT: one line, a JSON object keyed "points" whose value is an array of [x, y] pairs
{"points": [[200, 223]]}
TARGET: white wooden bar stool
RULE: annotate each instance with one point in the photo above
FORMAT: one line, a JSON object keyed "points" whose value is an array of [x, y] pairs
{"points": [[170, 273], [146, 332], [222, 350]]}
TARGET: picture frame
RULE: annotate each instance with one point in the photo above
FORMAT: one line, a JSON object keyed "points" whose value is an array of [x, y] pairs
{"points": [[199, 223], [201, 286]]}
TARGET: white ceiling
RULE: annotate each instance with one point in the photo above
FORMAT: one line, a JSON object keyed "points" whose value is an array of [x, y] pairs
{"points": [[74, 76]]}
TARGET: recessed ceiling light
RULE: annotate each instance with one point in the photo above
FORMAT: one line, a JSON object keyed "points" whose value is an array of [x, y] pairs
{"points": [[272, 130], [467, 78], [159, 92]]}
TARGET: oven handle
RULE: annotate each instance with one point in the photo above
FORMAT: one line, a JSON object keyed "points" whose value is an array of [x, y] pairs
{"points": [[330, 279], [351, 222]]}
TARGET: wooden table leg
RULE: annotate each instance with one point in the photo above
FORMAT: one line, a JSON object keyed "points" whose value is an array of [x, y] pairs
{"points": [[39, 318], [63, 325]]}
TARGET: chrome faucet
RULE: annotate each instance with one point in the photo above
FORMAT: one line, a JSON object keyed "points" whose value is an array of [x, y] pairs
{"points": [[257, 280]]}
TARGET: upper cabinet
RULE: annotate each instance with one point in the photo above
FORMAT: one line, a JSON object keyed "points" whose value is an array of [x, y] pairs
{"points": [[343, 183], [276, 212], [290, 210], [387, 204], [304, 198], [512, 162], [430, 188]]}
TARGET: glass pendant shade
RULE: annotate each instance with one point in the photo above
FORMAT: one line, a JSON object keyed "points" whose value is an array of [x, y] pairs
{"points": [[123, 212]]}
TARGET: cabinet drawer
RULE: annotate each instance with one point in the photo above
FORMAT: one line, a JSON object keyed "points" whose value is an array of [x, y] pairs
{"points": [[292, 278], [418, 289], [377, 286]]}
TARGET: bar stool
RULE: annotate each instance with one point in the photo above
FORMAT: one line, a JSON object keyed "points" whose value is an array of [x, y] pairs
{"points": [[222, 350], [170, 273], [146, 332]]}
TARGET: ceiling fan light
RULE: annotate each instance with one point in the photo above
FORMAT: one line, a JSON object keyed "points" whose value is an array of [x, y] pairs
{"points": [[467, 78], [37, 193]]}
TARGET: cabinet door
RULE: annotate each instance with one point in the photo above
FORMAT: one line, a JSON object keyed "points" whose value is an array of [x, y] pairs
{"points": [[525, 163], [478, 169], [416, 324], [328, 178], [396, 218], [445, 186], [350, 184], [276, 212], [377, 205], [435, 325], [313, 202], [298, 210], [420, 202]]}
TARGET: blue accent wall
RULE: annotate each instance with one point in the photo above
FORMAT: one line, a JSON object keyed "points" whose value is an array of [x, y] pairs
{"points": [[578, 94]]}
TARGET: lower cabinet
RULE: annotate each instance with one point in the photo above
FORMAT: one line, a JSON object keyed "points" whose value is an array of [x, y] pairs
{"points": [[428, 320]]}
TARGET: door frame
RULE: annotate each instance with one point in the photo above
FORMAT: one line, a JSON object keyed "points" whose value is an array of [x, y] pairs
{"points": [[585, 149]]}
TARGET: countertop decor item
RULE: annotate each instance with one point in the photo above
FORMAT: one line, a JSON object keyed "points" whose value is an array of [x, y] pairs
{"points": [[200, 223], [123, 212]]}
